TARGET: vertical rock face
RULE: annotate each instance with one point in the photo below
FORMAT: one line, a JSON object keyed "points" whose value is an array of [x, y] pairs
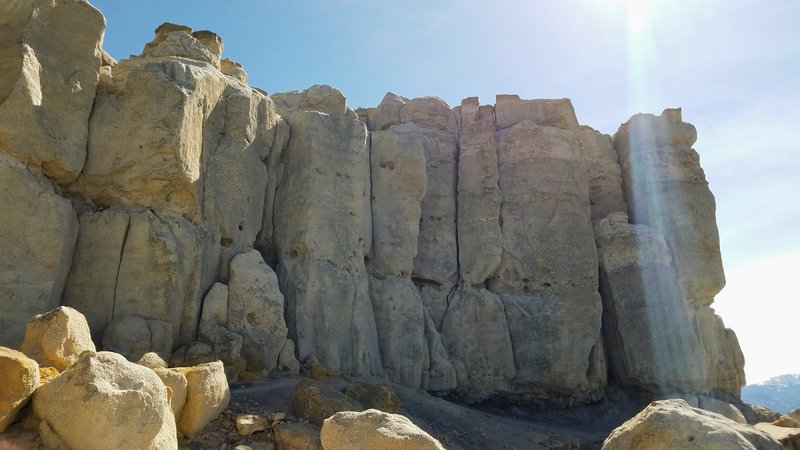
{"points": [[667, 190], [645, 320], [37, 237], [50, 55], [320, 231]]}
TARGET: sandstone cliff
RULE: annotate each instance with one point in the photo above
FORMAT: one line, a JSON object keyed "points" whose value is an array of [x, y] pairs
{"points": [[485, 250]]}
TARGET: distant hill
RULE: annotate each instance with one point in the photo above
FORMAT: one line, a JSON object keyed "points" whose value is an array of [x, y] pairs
{"points": [[780, 394]]}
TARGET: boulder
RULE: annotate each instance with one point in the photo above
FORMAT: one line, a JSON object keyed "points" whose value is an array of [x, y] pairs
{"points": [[374, 396], [177, 382], [121, 405], [51, 60], [133, 337], [297, 436], [207, 395], [247, 424], [57, 338], [152, 360], [675, 424], [315, 401], [722, 408], [19, 376], [788, 437], [374, 429], [36, 247], [255, 311], [786, 422], [557, 113]]}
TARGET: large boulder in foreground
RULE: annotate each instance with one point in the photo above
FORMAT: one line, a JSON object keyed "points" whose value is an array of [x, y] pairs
{"points": [[19, 376], [57, 338], [104, 401], [374, 429], [668, 424]]}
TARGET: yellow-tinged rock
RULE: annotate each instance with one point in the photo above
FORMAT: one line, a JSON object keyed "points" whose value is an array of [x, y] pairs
{"points": [[177, 382], [57, 338], [374, 429], [207, 395], [19, 376], [105, 401], [46, 373]]}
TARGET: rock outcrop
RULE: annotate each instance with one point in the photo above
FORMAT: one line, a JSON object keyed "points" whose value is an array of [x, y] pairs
{"points": [[675, 424], [489, 251], [57, 338]]}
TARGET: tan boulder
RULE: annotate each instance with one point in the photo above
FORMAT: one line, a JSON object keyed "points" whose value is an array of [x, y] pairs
{"points": [[788, 437], [177, 382], [152, 360], [36, 247], [374, 429], [297, 436], [795, 414], [19, 376], [786, 422], [255, 311], [207, 395], [104, 401], [374, 396], [315, 401], [722, 408], [57, 338], [675, 424], [247, 424]]}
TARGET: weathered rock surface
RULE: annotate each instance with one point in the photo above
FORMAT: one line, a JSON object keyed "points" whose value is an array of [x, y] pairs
{"points": [[675, 424], [374, 429], [667, 190], [133, 337], [722, 408], [789, 438], [122, 405], [50, 54], [255, 311], [320, 223], [649, 335], [207, 395], [19, 376], [37, 238], [57, 338]]}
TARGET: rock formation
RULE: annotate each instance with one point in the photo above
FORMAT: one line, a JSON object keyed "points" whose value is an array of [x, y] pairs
{"points": [[488, 251]]}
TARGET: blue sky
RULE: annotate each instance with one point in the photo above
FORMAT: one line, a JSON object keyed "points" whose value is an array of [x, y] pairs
{"points": [[733, 65]]}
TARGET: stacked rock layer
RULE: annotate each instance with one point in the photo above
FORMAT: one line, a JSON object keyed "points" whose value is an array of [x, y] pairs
{"points": [[486, 250]]}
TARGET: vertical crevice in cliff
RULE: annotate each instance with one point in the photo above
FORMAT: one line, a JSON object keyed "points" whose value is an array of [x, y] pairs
{"points": [[113, 305]]}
